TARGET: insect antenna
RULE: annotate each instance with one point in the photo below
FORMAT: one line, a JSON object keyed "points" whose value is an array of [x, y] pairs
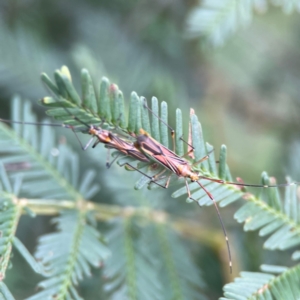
{"points": [[52, 125], [145, 104], [152, 179], [247, 184], [74, 117], [158, 117], [35, 123], [47, 124], [55, 125]]}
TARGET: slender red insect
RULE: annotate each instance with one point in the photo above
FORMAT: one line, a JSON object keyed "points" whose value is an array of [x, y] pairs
{"points": [[183, 168], [109, 139], [177, 165], [112, 141]]}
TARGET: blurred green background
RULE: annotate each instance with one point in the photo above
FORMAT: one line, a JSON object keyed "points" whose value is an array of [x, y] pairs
{"points": [[245, 91]]}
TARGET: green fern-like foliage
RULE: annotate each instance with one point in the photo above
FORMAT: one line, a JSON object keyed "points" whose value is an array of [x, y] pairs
{"points": [[147, 269], [255, 285], [65, 257], [108, 107], [47, 176], [216, 20], [69, 265], [264, 211], [5, 293], [10, 214], [138, 267], [280, 218]]}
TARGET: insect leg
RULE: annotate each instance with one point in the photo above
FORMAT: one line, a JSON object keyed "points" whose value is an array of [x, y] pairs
{"points": [[158, 177], [82, 146], [204, 158], [159, 118], [109, 164], [171, 129], [136, 169], [107, 159], [159, 174]]}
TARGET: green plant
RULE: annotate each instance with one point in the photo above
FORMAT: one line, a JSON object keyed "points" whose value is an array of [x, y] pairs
{"points": [[216, 20], [148, 257]]}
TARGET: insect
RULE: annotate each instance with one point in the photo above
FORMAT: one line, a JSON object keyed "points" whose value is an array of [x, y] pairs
{"points": [[106, 137], [183, 168], [113, 141], [177, 165]]}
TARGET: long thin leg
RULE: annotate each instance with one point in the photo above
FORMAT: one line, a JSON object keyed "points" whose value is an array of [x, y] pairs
{"points": [[109, 164], [187, 144], [188, 190], [219, 216], [136, 169], [201, 160], [171, 129], [158, 177], [159, 174], [187, 153], [206, 157], [96, 143], [159, 118], [81, 145], [88, 143], [168, 181], [108, 158]]}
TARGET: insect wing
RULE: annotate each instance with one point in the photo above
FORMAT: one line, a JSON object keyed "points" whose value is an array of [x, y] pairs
{"points": [[148, 145], [161, 154], [126, 147]]}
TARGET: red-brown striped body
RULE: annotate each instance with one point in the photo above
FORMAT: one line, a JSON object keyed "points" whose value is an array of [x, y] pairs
{"points": [[112, 141], [164, 156]]}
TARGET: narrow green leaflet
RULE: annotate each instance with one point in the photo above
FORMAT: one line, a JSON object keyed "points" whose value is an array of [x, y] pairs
{"points": [[90, 110], [146, 269], [48, 172], [255, 285], [123, 278], [42, 165], [9, 219], [175, 260], [11, 209], [5, 293], [69, 253], [273, 216]]}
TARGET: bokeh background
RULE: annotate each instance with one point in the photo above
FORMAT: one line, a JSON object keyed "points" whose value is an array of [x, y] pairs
{"points": [[243, 80]]}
